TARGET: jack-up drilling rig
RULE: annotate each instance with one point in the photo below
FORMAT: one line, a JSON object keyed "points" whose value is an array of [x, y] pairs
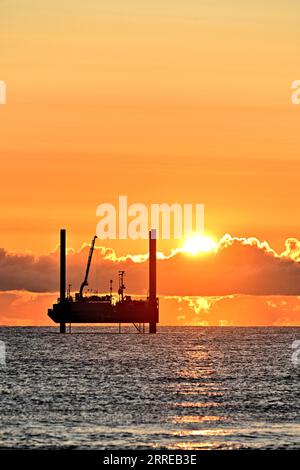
{"points": [[103, 308]]}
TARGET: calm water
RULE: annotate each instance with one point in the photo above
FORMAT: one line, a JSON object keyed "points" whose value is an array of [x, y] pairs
{"points": [[184, 388]]}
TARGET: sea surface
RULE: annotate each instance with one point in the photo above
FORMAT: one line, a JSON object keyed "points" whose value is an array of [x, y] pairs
{"points": [[184, 388]]}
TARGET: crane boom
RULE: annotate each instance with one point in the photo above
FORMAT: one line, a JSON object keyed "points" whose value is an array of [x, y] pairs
{"points": [[85, 282]]}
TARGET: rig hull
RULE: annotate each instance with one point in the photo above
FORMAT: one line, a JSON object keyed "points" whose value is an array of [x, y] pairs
{"points": [[102, 312]]}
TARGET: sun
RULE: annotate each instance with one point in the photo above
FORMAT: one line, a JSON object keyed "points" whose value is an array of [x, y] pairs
{"points": [[198, 244]]}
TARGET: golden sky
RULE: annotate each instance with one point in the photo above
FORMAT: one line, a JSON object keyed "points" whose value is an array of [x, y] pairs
{"points": [[177, 101], [164, 101]]}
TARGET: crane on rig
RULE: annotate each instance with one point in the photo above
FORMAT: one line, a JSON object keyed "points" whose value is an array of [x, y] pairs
{"points": [[85, 281]]}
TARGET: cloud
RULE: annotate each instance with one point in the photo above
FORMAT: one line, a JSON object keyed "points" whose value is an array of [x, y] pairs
{"points": [[292, 249], [237, 266], [24, 271], [232, 310], [25, 308]]}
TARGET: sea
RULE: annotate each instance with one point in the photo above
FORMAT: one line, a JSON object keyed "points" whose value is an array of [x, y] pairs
{"points": [[183, 388]]}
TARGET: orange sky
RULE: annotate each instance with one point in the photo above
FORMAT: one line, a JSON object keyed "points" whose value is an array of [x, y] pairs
{"points": [[165, 101]]}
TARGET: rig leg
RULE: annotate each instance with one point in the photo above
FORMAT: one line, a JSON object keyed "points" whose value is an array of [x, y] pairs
{"points": [[152, 327], [62, 327]]}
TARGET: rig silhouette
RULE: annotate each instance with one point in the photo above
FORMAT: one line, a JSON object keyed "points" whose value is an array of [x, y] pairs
{"points": [[104, 308]]}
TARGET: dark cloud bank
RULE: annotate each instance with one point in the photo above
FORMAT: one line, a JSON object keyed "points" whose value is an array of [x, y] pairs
{"points": [[239, 266]]}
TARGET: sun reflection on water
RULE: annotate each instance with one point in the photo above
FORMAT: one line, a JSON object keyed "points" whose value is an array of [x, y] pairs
{"points": [[195, 419], [187, 404]]}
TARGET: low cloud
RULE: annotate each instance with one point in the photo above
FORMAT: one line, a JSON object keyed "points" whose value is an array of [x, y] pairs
{"points": [[25, 308], [231, 310], [237, 266]]}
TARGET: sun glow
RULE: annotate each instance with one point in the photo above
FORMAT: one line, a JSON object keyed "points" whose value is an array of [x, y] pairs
{"points": [[198, 244]]}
